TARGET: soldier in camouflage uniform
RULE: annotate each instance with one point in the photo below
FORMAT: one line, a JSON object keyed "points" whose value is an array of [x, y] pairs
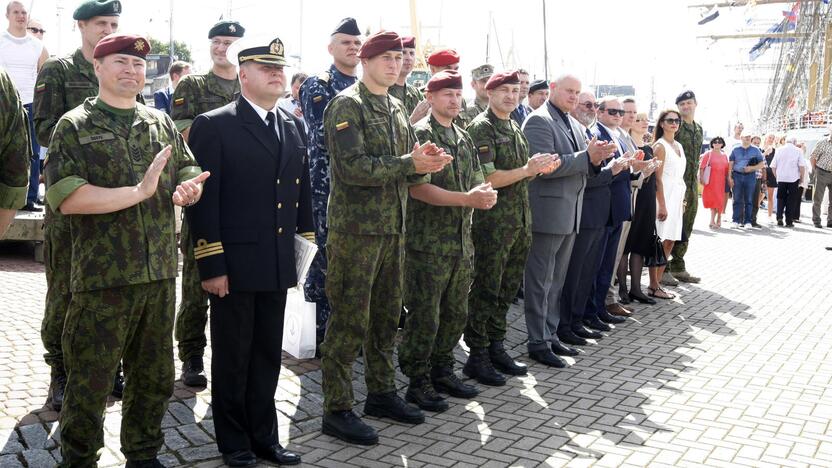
{"points": [[315, 94], [102, 170], [195, 95], [63, 84], [479, 78], [502, 235], [690, 136], [373, 153], [439, 252], [15, 152], [443, 59], [405, 92]]}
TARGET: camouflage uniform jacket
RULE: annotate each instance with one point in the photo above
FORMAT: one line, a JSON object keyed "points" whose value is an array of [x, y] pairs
{"points": [[370, 140], [501, 145], [690, 136], [445, 230], [408, 95], [472, 110], [15, 150], [93, 145], [198, 94]]}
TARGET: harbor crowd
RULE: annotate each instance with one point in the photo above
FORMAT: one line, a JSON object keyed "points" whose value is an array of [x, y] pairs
{"points": [[431, 215]]}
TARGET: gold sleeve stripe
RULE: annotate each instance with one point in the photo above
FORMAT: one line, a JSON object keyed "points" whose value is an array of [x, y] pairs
{"points": [[208, 253], [218, 247], [310, 236], [202, 245]]}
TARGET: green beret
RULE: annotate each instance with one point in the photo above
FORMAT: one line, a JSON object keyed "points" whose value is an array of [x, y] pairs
{"points": [[227, 28], [94, 8]]}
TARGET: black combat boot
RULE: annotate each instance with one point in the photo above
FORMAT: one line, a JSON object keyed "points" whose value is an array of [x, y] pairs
{"points": [[503, 362], [150, 463], [445, 380], [348, 427], [118, 383], [390, 405], [479, 367], [193, 372], [421, 393], [56, 392]]}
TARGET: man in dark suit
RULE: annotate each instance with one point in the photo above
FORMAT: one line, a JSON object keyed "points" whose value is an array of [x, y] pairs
{"points": [[587, 250], [161, 98], [555, 200], [243, 234]]}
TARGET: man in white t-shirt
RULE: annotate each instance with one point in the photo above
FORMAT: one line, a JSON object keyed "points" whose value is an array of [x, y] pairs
{"points": [[22, 55]]}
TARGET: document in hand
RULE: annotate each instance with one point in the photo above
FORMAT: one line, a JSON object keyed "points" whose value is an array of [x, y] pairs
{"points": [[304, 253]]}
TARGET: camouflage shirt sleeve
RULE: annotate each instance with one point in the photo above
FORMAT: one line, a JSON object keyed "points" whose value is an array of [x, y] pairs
{"points": [[483, 138], [49, 103], [348, 148], [182, 109], [15, 150], [186, 165], [478, 177], [63, 171]]}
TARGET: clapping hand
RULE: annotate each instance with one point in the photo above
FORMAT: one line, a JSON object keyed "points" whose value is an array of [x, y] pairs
{"points": [[482, 197], [429, 158]]}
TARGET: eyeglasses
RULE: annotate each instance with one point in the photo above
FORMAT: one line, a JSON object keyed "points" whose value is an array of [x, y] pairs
{"points": [[672, 121], [37, 30], [589, 105], [614, 112], [217, 43]]}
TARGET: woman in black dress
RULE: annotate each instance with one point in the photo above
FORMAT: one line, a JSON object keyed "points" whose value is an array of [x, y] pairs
{"points": [[771, 181], [642, 242]]}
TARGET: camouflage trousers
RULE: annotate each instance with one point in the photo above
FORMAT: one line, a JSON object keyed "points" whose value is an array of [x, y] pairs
{"points": [[364, 287], [133, 323], [315, 286], [499, 262], [193, 310], [57, 258], [677, 261], [436, 296]]}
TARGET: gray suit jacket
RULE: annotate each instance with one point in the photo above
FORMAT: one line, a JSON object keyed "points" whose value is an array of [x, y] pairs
{"points": [[556, 199]]}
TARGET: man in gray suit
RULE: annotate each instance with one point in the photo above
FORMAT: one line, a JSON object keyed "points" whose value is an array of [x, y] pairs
{"points": [[555, 200]]}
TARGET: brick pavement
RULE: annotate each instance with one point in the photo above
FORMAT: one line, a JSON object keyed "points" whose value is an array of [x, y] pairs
{"points": [[732, 373]]}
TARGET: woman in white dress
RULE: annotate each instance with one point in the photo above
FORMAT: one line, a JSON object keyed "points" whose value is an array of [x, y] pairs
{"points": [[670, 192]]}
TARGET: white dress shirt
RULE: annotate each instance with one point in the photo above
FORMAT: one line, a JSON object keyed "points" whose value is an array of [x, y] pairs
{"points": [[263, 113], [788, 159]]}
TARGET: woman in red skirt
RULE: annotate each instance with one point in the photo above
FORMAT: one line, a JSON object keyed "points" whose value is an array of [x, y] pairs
{"points": [[713, 193]]}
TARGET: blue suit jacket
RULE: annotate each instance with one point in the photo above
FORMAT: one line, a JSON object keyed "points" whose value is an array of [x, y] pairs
{"points": [[161, 100], [620, 191]]}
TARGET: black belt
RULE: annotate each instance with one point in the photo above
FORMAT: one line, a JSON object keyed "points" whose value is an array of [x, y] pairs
{"points": [[744, 173], [822, 169]]}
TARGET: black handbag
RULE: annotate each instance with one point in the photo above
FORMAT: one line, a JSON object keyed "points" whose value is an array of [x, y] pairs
{"points": [[658, 258]]}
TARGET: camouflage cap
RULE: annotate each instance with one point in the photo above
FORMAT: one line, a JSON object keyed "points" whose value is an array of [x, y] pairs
{"points": [[226, 28], [92, 8], [482, 72]]}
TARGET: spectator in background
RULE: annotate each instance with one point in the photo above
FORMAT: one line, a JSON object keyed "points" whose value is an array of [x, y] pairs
{"points": [[35, 28], [713, 192], [291, 103], [22, 55], [771, 180], [803, 186], [756, 141], [822, 162], [789, 168], [538, 93], [522, 111], [744, 161], [585, 112], [735, 139], [161, 98]]}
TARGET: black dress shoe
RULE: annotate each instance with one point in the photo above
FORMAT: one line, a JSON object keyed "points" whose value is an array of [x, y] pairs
{"points": [[193, 372], [118, 383], [566, 335], [548, 358], [623, 297], [584, 332], [642, 298], [562, 350], [606, 317], [594, 324], [390, 405], [32, 208], [56, 392], [479, 367], [239, 458], [348, 427], [503, 362], [445, 381], [150, 463], [279, 455]]}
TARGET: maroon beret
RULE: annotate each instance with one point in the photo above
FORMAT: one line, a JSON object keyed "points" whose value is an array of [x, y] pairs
{"points": [[443, 57], [502, 78], [118, 43], [409, 42], [380, 43], [445, 79]]}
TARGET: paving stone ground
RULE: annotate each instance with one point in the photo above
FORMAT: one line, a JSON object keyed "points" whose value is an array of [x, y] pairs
{"points": [[734, 372]]}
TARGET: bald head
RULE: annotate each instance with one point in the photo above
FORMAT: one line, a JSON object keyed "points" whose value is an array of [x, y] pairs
{"points": [[564, 93]]}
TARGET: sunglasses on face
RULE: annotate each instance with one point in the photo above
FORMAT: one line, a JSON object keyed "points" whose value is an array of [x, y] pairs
{"points": [[36, 30], [615, 112], [672, 121], [589, 105]]}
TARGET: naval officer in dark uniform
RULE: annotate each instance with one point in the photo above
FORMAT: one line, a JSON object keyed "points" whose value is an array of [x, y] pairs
{"points": [[243, 234]]}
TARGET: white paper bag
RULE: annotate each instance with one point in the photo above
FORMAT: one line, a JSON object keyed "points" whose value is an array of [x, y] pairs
{"points": [[304, 254], [299, 325]]}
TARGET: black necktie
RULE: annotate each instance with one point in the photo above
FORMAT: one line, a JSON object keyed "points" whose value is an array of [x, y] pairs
{"points": [[271, 119]]}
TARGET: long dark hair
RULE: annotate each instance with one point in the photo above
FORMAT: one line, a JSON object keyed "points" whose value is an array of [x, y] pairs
{"points": [[658, 132], [718, 140]]}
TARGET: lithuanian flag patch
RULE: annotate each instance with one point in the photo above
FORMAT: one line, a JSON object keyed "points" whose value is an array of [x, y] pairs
{"points": [[40, 88], [342, 126]]}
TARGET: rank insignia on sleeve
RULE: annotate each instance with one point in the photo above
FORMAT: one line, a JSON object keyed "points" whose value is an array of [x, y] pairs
{"points": [[40, 88], [179, 101], [342, 126], [317, 98], [483, 149]]}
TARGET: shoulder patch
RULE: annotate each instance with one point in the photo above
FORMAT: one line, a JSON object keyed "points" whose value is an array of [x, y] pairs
{"points": [[483, 149], [317, 98], [342, 126], [40, 88], [179, 101]]}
